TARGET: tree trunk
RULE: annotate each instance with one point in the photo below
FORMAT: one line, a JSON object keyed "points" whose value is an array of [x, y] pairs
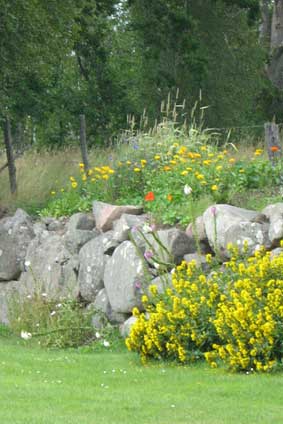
{"points": [[10, 155], [275, 68], [265, 27], [277, 25], [83, 142]]}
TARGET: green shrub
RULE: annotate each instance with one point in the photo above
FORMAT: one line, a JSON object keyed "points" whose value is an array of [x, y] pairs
{"points": [[61, 324]]}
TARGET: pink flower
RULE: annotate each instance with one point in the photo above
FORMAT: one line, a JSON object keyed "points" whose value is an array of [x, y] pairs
{"points": [[148, 254], [213, 211]]}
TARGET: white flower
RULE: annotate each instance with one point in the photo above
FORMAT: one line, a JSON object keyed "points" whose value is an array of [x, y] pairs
{"points": [[106, 343], [59, 305], [27, 264], [53, 313], [25, 335], [156, 265], [44, 294], [97, 335], [187, 190]]}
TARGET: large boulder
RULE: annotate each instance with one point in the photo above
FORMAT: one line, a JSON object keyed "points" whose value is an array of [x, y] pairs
{"points": [[92, 263], [7, 290], [105, 214], [80, 229], [122, 271], [275, 215], [226, 224], [102, 305], [49, 267], [123, 226], [125, 328], [197, 229], [15, 235], [173, 244]]}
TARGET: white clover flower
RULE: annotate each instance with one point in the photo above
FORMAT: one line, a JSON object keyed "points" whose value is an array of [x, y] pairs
{"points": [[97, 335], [25, 335], [53, 313], [187, 190], [27, 264], [106, 343]]}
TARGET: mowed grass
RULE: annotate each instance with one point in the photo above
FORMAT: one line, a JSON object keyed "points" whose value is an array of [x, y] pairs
{"points": [[112, 387]]}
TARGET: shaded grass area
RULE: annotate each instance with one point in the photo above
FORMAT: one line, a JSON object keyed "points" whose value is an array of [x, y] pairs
{"points": [[111, 387], [40, 173]]}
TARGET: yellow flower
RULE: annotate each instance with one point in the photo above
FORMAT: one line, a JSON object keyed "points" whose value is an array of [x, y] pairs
{"points": [[84, 177], [128, 162], [184, 173], [137, 170], [258, 152], [105, 177], [166, 168], [53, 193], [157, 157], [82, 165], [144, 298], [214, 187], [232, 160], [143, 162], [200, 177], [74, 184]]}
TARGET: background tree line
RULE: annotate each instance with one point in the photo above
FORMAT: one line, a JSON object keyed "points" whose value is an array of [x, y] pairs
{"points": [[108, 59]]}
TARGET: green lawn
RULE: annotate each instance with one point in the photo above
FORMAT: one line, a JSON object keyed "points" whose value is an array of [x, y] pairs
{"points": [[111, 387]]}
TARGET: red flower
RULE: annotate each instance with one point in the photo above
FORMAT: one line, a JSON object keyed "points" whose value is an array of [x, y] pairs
{"points": [[149, 197], [274, 148]]}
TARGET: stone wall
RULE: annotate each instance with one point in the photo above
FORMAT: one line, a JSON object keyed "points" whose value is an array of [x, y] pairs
{"points": [[94, 257]]}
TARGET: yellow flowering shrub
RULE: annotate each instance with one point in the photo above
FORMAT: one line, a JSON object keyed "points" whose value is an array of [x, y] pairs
{"points": [[177, 324], [234, 315], [249, 316]]}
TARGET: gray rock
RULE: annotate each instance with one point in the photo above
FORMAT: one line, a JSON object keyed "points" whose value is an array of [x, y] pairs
{"points": [[109, 243], [80, 229], [53, 224], [7, 290], [92, 264], [197, 227], [275, 216], [176, 242], [15, 235], [276, 252], [122, 271], [123, 226], [228, 224], [49, 267], [105, 214], [126, 327]]}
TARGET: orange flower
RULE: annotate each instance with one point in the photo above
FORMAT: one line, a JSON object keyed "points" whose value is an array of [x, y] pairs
{"points": [[149, 197], [169, 197], [274, 148]]}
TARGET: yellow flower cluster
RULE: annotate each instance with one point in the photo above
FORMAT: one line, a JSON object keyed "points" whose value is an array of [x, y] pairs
{"points": [[93, 174], [234, 315], [249, 316], [177, 325]]}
